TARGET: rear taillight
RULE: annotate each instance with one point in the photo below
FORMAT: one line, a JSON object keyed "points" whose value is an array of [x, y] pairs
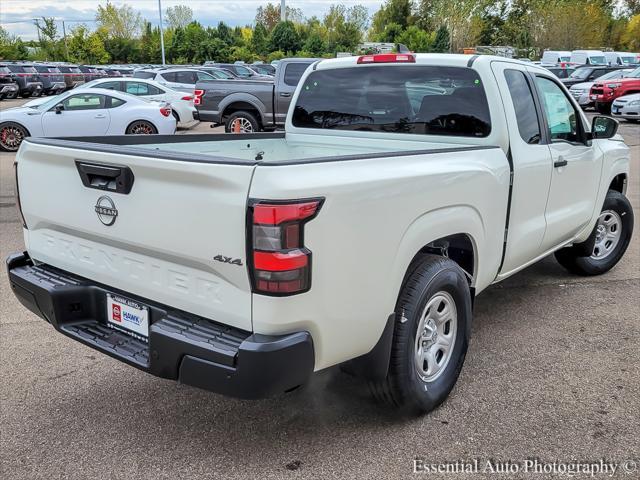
{"points": [[280, 264], [197, 96], [165, 111], [17, 194], [388, 58], [188, 98]]}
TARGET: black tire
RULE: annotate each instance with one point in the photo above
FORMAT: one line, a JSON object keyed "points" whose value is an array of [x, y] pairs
{"points": [[583, 259], [176, 116], [141, 127], [11, 136], [249, 122], [603, 108], [632, 120], [26, 94], [11, 96], [404, 387]]}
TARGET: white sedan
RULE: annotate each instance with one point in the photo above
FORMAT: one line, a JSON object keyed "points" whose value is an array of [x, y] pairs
{"points": [[627, 107], [181, 103], [85, 112]]}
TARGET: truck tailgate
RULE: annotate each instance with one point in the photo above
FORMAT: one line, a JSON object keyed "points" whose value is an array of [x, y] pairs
{"points": [[177, 218]]}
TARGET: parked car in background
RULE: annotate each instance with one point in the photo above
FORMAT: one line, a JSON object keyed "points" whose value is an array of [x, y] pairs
{"points": [[73, 77], [181, 103], [248, 105], [242, 71], [553, 57], [91, 73], [627, 107], [52, 79], [624, 59], [264, 69], [559, 71], [181, 79], [588, 73], [588, 57], [27, 79], [581, 91], [604, 93], [219, 73], [84, 112], [112, 72], [8, 86]]}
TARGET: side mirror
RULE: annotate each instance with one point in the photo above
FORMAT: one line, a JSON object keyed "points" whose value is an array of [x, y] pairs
{"points": [[603, 127], [59, 108]]}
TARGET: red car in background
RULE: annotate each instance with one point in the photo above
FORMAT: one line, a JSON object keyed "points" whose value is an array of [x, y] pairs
{"points": [[603, 94]]}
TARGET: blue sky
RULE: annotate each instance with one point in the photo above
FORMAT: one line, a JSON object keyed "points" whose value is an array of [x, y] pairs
{"points": [[207, 12]]}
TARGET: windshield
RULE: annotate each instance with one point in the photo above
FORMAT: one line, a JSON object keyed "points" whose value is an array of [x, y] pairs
{"points": [[400, 99], [50, 103], [634, 74], [628, 60], [614, 74], [580, 73], [565, 59], [599, 60], [4, 70]]}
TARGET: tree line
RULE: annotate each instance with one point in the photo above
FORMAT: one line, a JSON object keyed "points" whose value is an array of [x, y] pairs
{"points": [[123, 36]]}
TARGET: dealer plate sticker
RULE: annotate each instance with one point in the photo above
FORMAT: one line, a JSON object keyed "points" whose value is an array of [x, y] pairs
{"points": [[127, 315]]}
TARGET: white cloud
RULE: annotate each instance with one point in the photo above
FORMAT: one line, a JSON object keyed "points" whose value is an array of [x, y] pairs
{"points": [[207, 12]]}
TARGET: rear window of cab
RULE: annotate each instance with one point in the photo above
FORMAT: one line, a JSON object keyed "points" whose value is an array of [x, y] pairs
{"points": [[415, 99]]}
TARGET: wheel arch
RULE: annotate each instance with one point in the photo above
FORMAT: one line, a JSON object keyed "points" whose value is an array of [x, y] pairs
{"points": [[141, 119], [17, 123], [619, 183], [235, 103]]}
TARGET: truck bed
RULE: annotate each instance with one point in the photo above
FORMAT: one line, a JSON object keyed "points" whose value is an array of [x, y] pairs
{"points": [[253, 149]]}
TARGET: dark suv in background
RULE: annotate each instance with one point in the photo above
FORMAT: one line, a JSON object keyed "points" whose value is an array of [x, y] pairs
{"points": [[26, 77], [90, 73], [72, 76], [52, 79], [588, 73], [8, 86]]}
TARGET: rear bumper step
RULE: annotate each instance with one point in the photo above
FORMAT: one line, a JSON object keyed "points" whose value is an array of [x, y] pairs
{"points": [[181, 346]]}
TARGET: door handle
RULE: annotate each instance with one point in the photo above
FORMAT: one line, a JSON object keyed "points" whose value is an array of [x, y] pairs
{"points": [[100, 115], [285, 94], [106, 177], [561, 162]]}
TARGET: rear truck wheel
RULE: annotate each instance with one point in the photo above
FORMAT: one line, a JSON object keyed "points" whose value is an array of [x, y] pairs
{"points": [[603, 108], [11, 136], [241, 122], [607, 243], [430, 338], [141, 127]]}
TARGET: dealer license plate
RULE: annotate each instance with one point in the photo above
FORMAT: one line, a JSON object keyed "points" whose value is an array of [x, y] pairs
{"points": [[128, 316]]}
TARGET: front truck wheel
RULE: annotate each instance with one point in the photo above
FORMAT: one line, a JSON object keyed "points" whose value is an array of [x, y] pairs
{"points": [[431, 336], [607, 243]]}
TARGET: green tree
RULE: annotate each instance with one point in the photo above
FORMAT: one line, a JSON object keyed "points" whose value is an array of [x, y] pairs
{"points": [[179, 16], [441, 43], [315, 44], [50, 45], [260, 40], [85, 47], [285, 37], [11, 46], [119, 22], [416, 39]]}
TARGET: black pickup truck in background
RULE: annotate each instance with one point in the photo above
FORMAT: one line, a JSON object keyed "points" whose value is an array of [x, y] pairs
{"points": [[245, 106]]}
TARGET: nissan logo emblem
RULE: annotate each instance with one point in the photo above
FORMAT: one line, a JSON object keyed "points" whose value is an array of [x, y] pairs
{"points": [[106, 210]]}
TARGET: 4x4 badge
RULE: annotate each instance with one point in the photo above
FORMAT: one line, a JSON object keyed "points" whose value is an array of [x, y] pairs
{"points": [[231, 260]]}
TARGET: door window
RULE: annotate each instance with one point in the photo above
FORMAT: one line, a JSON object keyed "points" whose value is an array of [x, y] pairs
{"points": [[108, 85], [204, 76], [562, 117], [525, 107], [86, 101], [169, 76], [186, 77], [293, 73]]}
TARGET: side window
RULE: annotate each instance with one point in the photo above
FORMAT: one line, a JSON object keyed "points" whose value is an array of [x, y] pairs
{"points": [[169, 76], [153, 90], [525, 107], [203, 76], [293, 72], [109, 85], [87, 101], [562, 118], [137, 88], [186, 77], [113, 102]]}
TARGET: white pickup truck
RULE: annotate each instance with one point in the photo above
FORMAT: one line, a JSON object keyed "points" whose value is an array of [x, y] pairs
{"points": [[403, 187]]}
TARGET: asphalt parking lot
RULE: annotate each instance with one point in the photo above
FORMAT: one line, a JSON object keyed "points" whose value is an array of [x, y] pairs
{"points": [[553, 373]]}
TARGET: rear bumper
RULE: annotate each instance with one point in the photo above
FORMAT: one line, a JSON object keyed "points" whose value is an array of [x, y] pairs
{"points": [[181, 346], [209, 116]]}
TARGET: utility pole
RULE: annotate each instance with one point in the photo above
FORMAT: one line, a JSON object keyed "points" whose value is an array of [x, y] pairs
{"points": [[161, 32], [64, 35], [283, 11]]}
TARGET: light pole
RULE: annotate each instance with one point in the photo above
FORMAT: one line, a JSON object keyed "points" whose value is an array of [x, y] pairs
{"points": [[283, 11], [161, 33]]}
